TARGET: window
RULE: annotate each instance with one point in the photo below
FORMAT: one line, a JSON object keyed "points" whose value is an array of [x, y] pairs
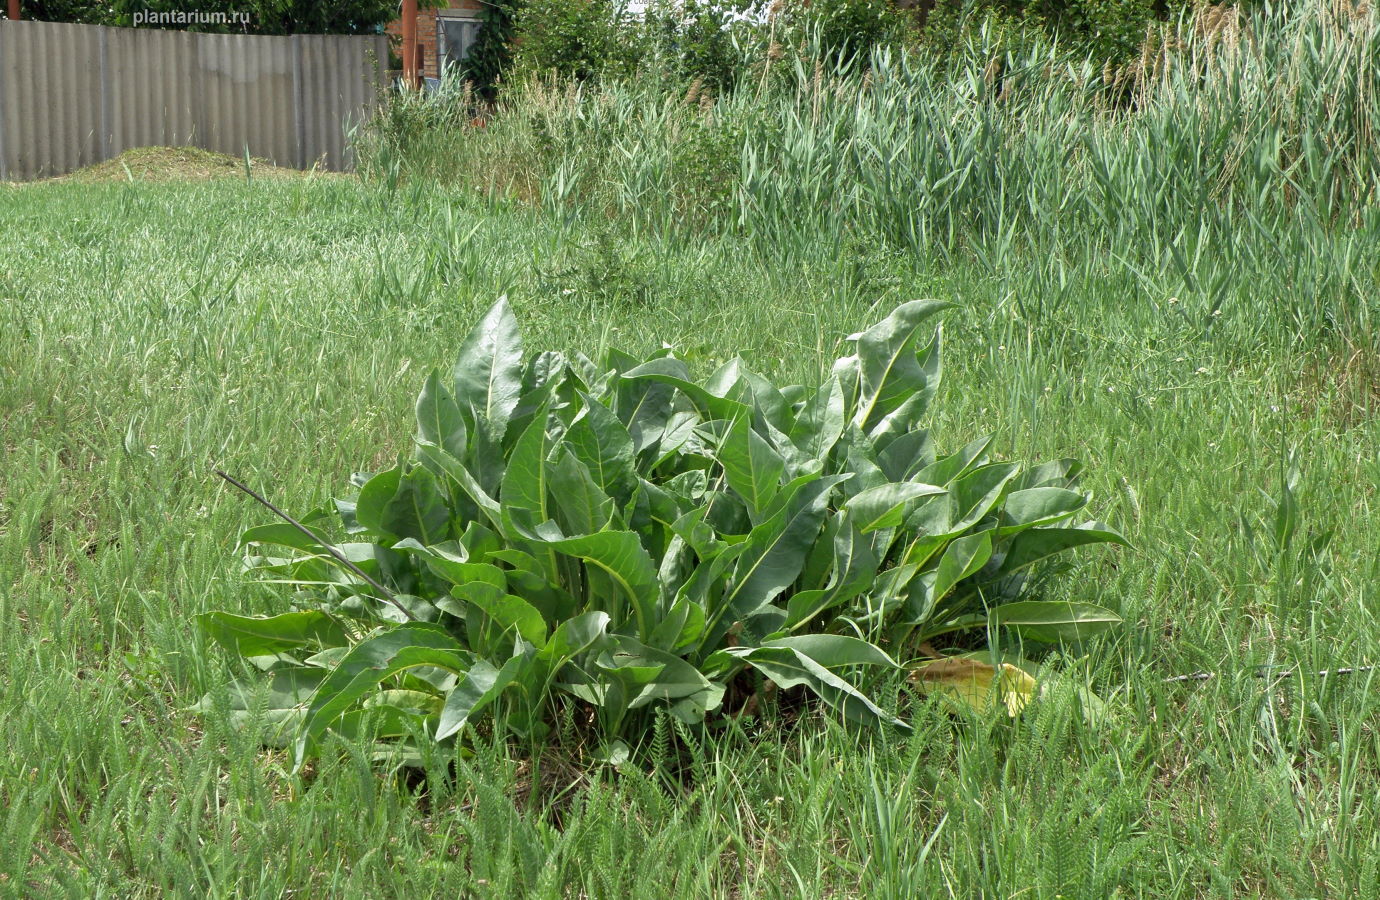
{"points": [[456, 30]]}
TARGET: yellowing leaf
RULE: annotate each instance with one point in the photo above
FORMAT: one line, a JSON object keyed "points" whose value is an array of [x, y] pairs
{"points": [[974, 684]]}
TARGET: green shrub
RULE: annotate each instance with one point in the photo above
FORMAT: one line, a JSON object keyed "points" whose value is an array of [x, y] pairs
{"points": [[591, 542], [1103, 29], [694, 40], [847, 31], [577, 39]]}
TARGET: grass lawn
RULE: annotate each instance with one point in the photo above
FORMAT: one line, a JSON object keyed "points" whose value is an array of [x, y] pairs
{"points": [[280, 329]]}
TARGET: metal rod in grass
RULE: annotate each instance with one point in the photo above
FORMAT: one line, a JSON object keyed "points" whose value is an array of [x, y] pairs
{"points": [[1266, 672], [326, 545]]}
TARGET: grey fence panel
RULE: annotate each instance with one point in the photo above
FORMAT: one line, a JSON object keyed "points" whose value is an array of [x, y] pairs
{"points": [[72, 95], [327, 101]]}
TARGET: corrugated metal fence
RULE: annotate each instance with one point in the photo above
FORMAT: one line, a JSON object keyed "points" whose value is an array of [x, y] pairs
{"points": [[72, 95]]}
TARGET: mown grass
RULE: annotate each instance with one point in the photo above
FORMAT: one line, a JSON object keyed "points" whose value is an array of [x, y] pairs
{"points": [[1194, 353]]}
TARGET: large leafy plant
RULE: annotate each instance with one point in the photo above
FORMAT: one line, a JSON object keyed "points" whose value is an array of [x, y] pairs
{"points": [[587, 542]]}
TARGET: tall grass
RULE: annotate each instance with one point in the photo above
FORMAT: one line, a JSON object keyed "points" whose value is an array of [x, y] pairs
{"points": [[1234, 144]]}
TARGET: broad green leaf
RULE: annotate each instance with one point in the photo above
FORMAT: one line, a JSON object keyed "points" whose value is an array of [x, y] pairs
{"points": [[370, 662], [775, 551], [963, 557], [923, 379], [477, 688], [583, 505], [267, 635], [834, 650], [1035, 544], [682, 626], [854, 568], [523, 495], [1039, 506], [644, 408], [439, 419], [600, 441], [488, 374], [751, 466], [622, 557], [885, 505], [417, 509], [1054, 620], [859, 460], [789, 668], [653, 674], [944, 471], [906, 455], [281, 699], [455, 470], [768, 404], [508, 611], [820, 422], [374, 496], [1058, 473], [282, 534], [888, 361], [674, 372], [976, 493]]}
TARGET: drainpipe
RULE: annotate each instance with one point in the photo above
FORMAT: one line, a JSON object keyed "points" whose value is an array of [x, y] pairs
{"points": [[409, 43]]}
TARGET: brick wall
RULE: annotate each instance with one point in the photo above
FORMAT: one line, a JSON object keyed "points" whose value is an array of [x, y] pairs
{"points": [[426, 34]]}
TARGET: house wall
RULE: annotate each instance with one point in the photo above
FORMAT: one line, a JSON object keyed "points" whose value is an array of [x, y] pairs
{"points": [[426, 34]]}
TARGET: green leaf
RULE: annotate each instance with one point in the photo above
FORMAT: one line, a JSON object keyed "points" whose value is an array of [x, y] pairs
{"points": [[278, 702], [1033, 545], [906, 455], [775, 551], [753, 468], [439, 419], [417, 509], [622, 557], [789, 668], [443, 462], [282, 534], [961, 558], [834, 650], [600, 441], [650, 674], [1038, 506], [488, 374], [523, 495], [820, 422], [508, 611], [923, 379], [889, 366], [477, 688], [370, 662], [854, 569], [374, 496], [583, 505], [1054, 620], [885, 505], [267, 635], [674, 372], [976, 493], [951, 467]]}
